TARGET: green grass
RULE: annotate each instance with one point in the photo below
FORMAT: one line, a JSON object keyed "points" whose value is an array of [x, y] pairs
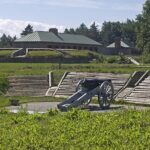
{"points": [[43, 68], [75, 130], [5, 53], [64, 54], [3, 85], [81, 53], [10, 69], [44, 53]]}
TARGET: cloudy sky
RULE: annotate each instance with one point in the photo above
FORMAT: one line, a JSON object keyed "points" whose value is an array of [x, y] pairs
{"points": [[43, 14]]}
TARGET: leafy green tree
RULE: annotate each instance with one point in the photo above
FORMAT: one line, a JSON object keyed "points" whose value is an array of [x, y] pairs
{"points": [[106, 33], [94, 32], [7, 41], [83, 30], [72, 31], [143, 29], [4, 40], [110, 30], [129, 33], [126, 31], [66, 31], [28, 29]]}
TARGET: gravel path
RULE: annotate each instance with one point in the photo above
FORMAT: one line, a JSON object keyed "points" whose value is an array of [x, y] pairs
{"points": [[43, 107]]}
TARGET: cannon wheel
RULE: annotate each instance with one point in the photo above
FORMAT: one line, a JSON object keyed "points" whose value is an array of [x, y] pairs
{"points": [[79, 87], [105, 95]]}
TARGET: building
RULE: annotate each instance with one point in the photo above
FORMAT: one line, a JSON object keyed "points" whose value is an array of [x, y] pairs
{"points": [[118, 44], [53, 39], [119, 47]]}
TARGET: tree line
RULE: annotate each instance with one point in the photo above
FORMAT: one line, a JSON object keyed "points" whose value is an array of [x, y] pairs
{"points": [[108, 32], [7, 41], [135, 33]]}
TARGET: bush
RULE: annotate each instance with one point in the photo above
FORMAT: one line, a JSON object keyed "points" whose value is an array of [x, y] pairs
{"points": [[112, 59], [145, 57], [123, 60], [76, 129], [4, 84]]}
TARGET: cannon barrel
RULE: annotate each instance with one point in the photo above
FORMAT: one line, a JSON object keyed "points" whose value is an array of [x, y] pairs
{"points": [[88, 88], [93, 83]]}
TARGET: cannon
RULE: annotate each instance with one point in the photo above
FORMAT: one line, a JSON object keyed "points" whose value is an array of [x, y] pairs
{"points": [[87, 89]]}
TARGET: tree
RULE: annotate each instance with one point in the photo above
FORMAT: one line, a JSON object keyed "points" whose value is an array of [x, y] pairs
{"points": [[94, 32], [7, 41], [28, 29], [143, 29], [126, 31], [129, 33], [110, 30], [72, 31], [4, 41], [83, 30], [66, 31], [91, 32], [106, 33]]}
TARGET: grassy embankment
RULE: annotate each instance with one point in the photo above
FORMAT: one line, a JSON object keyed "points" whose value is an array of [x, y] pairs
{"points": [[73, 54], [10, 69], [75, 130]]}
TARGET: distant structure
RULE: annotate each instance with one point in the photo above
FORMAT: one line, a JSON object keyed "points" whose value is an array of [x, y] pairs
{"points": [[119, 47], [55, 40], [118, 44]]}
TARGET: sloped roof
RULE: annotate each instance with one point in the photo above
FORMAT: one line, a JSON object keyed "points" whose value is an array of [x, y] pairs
{"points": [[122, 45], [41, 36]]}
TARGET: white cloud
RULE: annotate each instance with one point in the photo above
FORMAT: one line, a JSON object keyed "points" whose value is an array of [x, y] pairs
{"points": [[15, 27]]}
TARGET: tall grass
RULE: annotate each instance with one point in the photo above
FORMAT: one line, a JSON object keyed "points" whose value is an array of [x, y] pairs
{"points": [[76, 129], [10, 69]]}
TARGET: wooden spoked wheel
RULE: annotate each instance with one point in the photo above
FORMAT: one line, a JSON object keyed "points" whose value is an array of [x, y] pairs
{"points": [[105, 95]]}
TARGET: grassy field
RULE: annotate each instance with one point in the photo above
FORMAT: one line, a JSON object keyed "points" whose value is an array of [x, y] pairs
{"points": [[43, 68], [64, 54], [6, 53], [82, 53], [75, 130], [10, 69], [126, 129]]}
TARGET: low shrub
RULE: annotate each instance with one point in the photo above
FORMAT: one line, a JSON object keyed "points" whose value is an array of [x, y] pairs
{"points": [[112, 59], [4, 84], [128, 129]]}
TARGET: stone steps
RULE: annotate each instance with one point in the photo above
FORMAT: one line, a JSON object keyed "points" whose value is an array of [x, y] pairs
{"points": [[124, 93], [27, 85], [141, 93]]}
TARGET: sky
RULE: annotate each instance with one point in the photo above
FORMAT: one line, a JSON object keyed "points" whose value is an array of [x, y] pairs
{"points": [[15, 15]]}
